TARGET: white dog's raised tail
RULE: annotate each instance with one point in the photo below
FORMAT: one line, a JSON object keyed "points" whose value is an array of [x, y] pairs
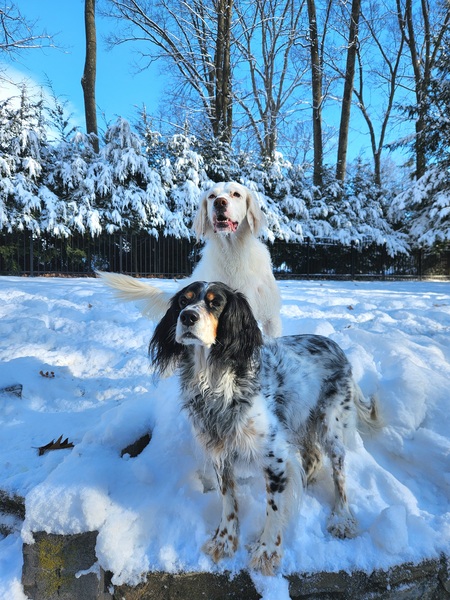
{"points": [[154, 301]]}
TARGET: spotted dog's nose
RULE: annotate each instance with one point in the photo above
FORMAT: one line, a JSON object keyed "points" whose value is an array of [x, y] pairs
{"points": [[189, 318], [220, 203]]}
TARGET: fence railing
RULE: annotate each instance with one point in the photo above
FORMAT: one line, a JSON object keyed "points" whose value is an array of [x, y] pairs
{"points": [[146, 256]]}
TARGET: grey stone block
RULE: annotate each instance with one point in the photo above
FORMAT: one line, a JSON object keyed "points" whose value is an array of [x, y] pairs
{"points": [[192, 586], [52, 563], [425, 581], [12, 504]]}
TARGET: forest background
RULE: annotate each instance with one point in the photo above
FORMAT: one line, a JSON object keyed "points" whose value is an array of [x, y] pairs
{"points": [[262, 92]]}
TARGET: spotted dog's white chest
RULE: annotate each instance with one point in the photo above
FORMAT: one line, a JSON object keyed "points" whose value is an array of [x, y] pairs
{"points": [[233, 431]]}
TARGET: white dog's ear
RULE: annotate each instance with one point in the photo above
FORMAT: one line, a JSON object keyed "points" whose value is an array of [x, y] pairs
{"points": [[255, 217], [200, 222]]}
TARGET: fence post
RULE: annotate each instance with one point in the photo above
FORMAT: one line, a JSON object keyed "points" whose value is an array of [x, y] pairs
{"points": [[89, 252], [120, 253], [353, 259], [31, 256], [308, 256]]}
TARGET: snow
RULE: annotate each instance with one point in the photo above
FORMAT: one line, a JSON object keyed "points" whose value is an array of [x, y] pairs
{"points": [[151, 511]]}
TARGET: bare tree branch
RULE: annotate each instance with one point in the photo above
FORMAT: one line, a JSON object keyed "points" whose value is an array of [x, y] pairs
{"points": [[17, 33], [266, 38]]}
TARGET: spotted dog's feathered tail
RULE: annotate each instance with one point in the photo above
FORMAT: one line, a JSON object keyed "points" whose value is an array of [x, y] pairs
{"points": [[368, 410], [154, 301]]}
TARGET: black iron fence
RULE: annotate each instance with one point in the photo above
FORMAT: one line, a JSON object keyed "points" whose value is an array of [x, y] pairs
{"points": [[145, 256]]}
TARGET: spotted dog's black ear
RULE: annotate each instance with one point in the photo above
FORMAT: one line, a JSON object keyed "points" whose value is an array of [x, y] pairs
{"points": [[163, 349], [238, 335]]}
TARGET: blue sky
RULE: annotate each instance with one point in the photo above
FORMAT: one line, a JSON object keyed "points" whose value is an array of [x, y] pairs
{"points": [[119, 88]]}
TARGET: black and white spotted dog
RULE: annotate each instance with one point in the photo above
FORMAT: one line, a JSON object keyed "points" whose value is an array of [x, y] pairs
{"points": [[276, 403]]}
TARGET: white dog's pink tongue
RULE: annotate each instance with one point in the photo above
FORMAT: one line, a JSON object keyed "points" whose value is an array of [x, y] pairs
{"points": [[225, 225]]}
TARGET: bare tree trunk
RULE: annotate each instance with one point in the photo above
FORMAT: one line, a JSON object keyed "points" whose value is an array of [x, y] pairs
{"points": [[316, 80], [223, 118], [341, 165], [90, 71], [421, 83]]}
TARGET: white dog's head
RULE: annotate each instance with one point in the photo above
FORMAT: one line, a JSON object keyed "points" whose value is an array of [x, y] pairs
{"points": [[225, 208]]}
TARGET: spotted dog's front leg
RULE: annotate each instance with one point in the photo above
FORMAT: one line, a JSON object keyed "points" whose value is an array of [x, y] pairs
{"points": [[225, 541], [267, 552]]}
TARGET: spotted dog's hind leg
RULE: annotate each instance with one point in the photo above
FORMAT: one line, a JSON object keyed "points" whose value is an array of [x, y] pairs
{"points": [[225, 541], [311, 458], [339, 412]]}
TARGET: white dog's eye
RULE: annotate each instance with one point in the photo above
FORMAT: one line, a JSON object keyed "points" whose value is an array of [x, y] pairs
{"points": [[211, 197], [237, 194]]}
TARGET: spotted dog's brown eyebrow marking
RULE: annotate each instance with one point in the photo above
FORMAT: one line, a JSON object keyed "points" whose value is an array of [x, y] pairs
{"points": [[210, 296]]}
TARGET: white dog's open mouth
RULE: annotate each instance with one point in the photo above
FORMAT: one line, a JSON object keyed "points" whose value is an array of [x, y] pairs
{"points": [[224, 224]]}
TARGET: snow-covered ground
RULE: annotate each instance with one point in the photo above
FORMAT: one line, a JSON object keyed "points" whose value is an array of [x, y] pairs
{"points": [[151, 510]]}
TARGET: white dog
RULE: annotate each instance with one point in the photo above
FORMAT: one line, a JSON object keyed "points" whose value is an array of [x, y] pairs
{"points": [[229, 219]]}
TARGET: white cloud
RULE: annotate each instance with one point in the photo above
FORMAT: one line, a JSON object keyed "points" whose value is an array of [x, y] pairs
{"points": [[11, 80]]}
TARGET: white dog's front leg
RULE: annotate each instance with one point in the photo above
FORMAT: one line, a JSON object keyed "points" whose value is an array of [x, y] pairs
{"points": [[225, 541]]}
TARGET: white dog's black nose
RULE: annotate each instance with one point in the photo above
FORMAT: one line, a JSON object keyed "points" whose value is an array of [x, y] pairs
{"points": [[189, 318], [220, 202]]}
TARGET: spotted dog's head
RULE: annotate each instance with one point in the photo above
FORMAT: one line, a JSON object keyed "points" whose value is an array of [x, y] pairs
{"points": [[209, 315], [225, 207]]}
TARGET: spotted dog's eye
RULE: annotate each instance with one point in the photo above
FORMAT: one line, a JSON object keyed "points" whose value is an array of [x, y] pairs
{"points": [[186, 298], [213, 301]]}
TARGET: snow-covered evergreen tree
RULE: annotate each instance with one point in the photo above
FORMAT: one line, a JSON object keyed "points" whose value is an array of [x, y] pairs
{"points": [[128, 192], [281, 192], [22, 146], [219, 159], [424, 207], [184, 177], [71, 201], [361, 217]]}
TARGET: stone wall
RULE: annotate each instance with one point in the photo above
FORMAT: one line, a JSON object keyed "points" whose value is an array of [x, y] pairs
{"points": [[60, 567]]}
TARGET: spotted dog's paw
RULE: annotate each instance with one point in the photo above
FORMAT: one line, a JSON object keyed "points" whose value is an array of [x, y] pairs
{"points": [[265, 558], [342, 525], [221, 545]]}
